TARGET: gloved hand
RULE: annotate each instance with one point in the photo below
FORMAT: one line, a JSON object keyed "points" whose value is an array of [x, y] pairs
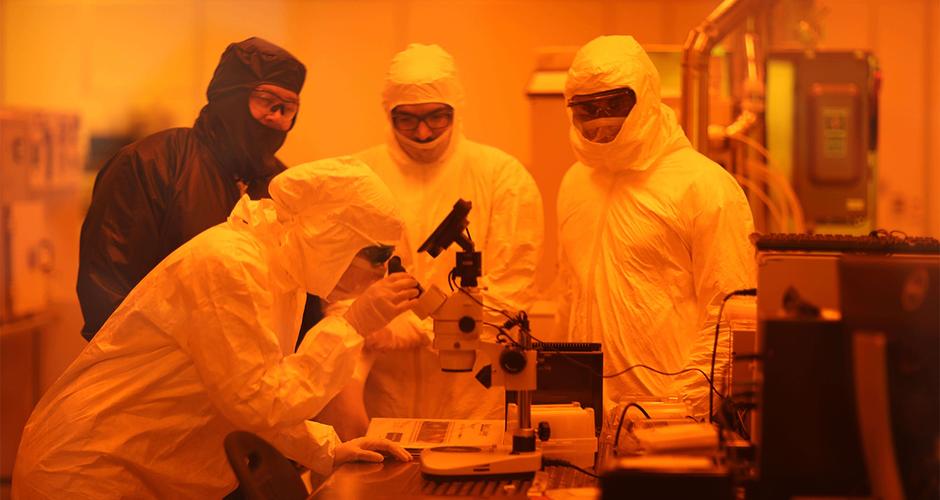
{"points": [[406, 331], [381, 302], [359, 449]]}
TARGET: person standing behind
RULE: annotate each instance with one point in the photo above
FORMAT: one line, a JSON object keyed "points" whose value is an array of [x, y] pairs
{"points": [[157, 193], [652, 233], [428, 165]]}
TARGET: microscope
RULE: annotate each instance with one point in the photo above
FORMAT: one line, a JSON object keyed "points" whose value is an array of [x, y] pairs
{"points": [[458, 321]]}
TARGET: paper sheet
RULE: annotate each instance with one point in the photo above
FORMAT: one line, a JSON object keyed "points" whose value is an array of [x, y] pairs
{"points": [[420, 433]]}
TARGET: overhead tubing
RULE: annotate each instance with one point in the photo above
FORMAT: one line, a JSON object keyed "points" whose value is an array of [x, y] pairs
{"points": [[696, 55]]}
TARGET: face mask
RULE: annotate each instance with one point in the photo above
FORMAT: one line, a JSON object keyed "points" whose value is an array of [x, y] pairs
{"points": [[602, 130], [240, 142], [425, 152], [360, 275]]}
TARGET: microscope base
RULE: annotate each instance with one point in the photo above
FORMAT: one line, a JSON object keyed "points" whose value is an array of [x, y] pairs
{"points": [[476, 461]]}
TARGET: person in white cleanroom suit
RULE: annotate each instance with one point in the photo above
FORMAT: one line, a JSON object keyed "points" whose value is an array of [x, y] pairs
{"points": [[204, 345], [652, 233], [428, 165]]}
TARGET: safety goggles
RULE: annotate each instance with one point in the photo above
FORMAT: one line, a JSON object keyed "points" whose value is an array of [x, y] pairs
{"points": [[378, 254], [615, 102], [270, 103], [435, 120]]}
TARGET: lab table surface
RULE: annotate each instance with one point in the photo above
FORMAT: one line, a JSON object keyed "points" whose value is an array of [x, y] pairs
{"points": [[395, 479]]}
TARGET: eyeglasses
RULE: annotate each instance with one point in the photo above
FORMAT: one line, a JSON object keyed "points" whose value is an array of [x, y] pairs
{"points": [[616, 102], [377, 255], [270, 103], [435, 120]]}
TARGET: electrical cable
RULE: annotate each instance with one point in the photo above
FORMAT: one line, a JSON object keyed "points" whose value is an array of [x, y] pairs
{"points": [[625, 370], [548, 462], [746, 291], [791, 204], [668, 374], [753, 144], [623, 415], [509, 339], [523, 319], [884, 233], [490, 308], [632, 367], [494, 325], [742, 429], [503, 333], [774, 177], [775, 214]]}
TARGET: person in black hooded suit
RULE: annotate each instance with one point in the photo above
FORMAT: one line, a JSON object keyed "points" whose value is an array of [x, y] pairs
{"points": [[157, 193]]}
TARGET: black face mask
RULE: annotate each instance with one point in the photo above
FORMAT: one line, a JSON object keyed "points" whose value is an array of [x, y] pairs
{"points": [[237, 140]]}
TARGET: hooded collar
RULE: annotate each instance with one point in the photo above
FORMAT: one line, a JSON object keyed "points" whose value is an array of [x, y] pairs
{"points": [[651, 129], [326, 211], [422, 74], [244, 147]]}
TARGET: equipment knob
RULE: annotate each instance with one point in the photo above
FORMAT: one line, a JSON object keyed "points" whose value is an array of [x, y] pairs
{"points": [[512, 360]]}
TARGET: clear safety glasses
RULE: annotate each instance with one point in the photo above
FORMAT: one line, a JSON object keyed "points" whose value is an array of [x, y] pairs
{"points": [[609, 103], [435, 120], [266, 103]]}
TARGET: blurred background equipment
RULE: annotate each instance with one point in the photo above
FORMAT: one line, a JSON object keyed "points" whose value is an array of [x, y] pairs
{"points": [[40, 168], [39, 159], [822, 126]]}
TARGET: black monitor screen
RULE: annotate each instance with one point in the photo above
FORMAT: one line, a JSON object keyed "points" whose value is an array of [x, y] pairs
{"points": [[900, 298], [816, 392]]}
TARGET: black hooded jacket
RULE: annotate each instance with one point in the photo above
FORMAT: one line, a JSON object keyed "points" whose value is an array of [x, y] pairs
{"points": [[157, 193]]}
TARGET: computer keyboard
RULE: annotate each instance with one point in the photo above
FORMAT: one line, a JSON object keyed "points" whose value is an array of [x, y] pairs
{"points": [[881, 244], [567, 346]]}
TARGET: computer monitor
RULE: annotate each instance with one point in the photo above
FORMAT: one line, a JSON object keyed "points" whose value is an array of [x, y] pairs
{"points": [[808, 444], [818, 401], [898, 300]]}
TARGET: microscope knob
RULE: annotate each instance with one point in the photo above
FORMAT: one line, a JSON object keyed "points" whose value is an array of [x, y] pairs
{"points": [[512, 360], [467, 324], [544, 431]]}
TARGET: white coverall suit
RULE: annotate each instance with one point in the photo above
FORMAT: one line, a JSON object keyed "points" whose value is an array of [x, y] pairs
{"points": [[204, 346], [652, 234], [506, 224]]}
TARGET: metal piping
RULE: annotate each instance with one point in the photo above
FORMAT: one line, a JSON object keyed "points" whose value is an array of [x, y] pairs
{"points": [[695, 59], [753, 100]]}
